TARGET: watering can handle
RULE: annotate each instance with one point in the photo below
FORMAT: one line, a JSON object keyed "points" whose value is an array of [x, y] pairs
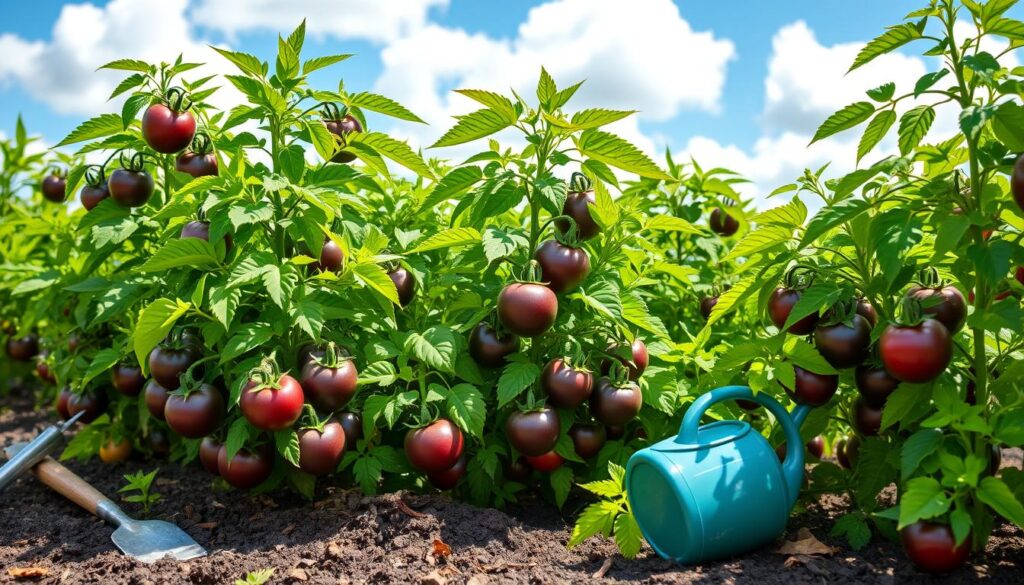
{"points": [[793, 467]]}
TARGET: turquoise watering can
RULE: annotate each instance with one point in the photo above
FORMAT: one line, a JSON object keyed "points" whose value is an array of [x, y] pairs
{"points": [[716, 490]]}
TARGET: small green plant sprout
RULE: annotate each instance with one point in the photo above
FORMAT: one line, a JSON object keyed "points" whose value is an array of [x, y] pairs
{"points": [[610, 516], [258, 577], [141, 482]]}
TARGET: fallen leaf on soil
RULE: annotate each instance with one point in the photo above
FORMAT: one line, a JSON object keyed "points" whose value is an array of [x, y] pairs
{"points": [[401, 505], [605, 567], [441, 549], [806, 544], [207, 525], [28, 572]]}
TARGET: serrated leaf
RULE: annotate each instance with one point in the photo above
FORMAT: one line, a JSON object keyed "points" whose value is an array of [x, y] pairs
{"points": [[806, 356], [888, 41], [844, 119], [882, 93], [923, 499], [396, 150], [914, 124], [374, 277], [997, 495], [435, 347], [155, 322], [597, 518], [628, 537], [449, 238], [98, 127], [473, 126], [101, 362], [495, 101], [193, 252], [918, 446], [619, 153], [248, 64], [287, 442], [515, 378], [875, 132], [597, 117], [315, 63], [453, 184], [466, 408]]}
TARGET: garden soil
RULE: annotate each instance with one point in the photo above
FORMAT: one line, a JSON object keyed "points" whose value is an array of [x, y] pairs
{"points": [[404, 538]]}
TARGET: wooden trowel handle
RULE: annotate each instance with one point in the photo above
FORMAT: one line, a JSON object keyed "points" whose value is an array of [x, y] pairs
{"points": [[69, 485]]}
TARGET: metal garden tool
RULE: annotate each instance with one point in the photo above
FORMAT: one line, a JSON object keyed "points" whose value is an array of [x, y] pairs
{"points": [[31, 453], [145, 540]]}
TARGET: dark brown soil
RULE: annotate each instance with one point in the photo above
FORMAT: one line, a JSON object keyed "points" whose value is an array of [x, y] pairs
{"points": [[348, 538]]}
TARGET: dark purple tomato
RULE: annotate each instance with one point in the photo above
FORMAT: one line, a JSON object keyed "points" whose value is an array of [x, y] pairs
{"points": [[353, 425], [208, 451], [566, 387], [780, 305], [839, 450], [638, 365], [587, 439], [518, 470], [331, 257], [197, 165], [816, 446], [722, 223], [195, 415], [156, 398], [707, 304], [449, 478], [167, 363], [130, 188], [62, 403], [547, 462], [91, 196], [615, 432], [533, 433], [342, 128], [272, 408], [434, 447], [320, 452], [867, 310], [196, 229], [563, 267], [866, 420], [73, 342], [329, 389], [1017, 182], [932, 547], [951, 308], [844, 346], [577, 206], [127, 379], [812, 389], [489, 348], [167, 131], [527, 308], [917, 353], [92, 404], [874, 384], [248, 468], [615, 405], [44, 372], [405, 284], [23, 349], [851, 450], [53, 188]]}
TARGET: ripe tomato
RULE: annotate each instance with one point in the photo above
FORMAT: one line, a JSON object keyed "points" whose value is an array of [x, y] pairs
{"points": [[781, 303], [342, 128], [844, 346], [867, 310], [490, 348], [196, 229], [130, 188], [1017, 182], [566, 386], [722, 223], [167, 363], [547, 462], [91, 195], [812, 389], [62, 403], [518, 470], [866, 420], [917, 353], [167, 131], [53, 187], [638, 364], [195, 415], [115, 452], [353, 426], [405, 284], [932, 547], [615, 405], [527, 308], [272, 408], [563, 267], [248, 468], [577, 206], [209, 449], [874, 384], [449, 478], [533, 433], [707, 304], [92, 404], [434, 447], [23, 349], [197, 165], [951, 308], [327, 388], [44, 372], [816, 447], [331, 257], [156, 398], [127, 379], [320, 452], [851, 451], [587, 439]]}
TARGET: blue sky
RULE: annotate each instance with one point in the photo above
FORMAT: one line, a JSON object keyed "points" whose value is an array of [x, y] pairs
{"points": [[702, 72]]}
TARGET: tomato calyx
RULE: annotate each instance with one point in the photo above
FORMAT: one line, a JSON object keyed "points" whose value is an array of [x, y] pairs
{"points": [[332, 357], [201, 144], [799, 277], [310, 419], [177, 99], [579, 183], [266, 375], [94, 176], [912, 312]]}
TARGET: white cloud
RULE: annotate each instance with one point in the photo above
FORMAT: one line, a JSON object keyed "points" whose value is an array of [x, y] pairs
{"points": [[61, 72], [631, 58], [373, 20]]}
